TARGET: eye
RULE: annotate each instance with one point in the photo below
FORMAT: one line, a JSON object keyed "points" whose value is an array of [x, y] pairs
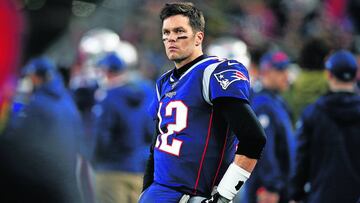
{"points": [[166, 32], [180, 31]]}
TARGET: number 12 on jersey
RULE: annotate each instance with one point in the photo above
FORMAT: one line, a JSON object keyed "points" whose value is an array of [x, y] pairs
{"points": [[179, 111]]}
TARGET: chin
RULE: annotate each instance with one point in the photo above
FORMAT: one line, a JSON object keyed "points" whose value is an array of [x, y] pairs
{"points": [[172, 57], [175, 58]]}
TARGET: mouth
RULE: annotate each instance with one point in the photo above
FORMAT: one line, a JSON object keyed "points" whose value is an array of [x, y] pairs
{"points": [[172, 48]]}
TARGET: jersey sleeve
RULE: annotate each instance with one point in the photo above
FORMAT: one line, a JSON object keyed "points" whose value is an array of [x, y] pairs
{"points": [[229, 79]]}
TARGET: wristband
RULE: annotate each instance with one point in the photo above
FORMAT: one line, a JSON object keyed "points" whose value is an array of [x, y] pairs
{"points": [[233, 179]]}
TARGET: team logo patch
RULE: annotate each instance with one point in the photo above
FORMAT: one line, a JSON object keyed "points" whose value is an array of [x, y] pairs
{"points": [[226, 77]]}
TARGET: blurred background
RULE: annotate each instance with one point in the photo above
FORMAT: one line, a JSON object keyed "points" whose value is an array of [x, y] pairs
{"points": [[75, 34], [55, 27]]}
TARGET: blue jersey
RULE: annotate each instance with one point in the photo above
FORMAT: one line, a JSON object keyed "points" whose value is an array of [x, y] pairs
{"points": [[195, 146]]}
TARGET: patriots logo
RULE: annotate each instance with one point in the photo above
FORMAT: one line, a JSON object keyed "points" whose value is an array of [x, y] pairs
{"points": [[226, 77]]}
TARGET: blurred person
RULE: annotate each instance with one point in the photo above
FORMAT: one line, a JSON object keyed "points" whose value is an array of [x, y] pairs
{"points": [[328, 139], [46, 132], [137, 74], [311, 81], [85, 79], [121, 130], [200, 110], [84, 82], [269, 180], [147, 86]]}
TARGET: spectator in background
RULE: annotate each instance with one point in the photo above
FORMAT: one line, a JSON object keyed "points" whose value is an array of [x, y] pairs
{"points": [[328, 139], [41, 166], [269, 181], [121, 130], [311, 82]]}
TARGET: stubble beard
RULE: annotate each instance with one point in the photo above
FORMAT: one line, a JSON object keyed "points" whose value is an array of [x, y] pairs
{"points": [[177, 59]]}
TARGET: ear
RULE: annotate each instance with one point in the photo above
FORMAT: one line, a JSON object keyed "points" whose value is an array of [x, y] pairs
{"points": [[199, 37]]}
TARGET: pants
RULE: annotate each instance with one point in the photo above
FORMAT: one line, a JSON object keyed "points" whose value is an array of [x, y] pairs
{"points": [[118, 187]]}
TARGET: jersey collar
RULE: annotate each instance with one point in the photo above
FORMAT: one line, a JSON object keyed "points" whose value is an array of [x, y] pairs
{"points": [[178, 72]]}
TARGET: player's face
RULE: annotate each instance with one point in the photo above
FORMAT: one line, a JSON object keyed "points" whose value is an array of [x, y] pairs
{"points": [[282, 80], [35, 80], [182, 44]]}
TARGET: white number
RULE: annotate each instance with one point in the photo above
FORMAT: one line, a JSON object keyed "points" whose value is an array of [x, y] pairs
{"points": [[181, 112]]}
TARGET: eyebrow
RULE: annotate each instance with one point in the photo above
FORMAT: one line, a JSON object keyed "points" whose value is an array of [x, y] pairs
{"points": [[175, 28]]}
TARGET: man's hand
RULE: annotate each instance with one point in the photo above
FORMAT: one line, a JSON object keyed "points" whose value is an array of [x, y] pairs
{"points": [[216, 198]]}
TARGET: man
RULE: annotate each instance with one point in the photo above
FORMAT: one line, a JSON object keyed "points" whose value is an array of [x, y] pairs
{"points": [[121, 130], [200, 105], [328, 139], [43, 138], [270, 177]]}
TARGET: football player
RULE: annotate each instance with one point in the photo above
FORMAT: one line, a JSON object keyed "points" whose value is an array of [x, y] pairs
{"points": [[202, 111]]}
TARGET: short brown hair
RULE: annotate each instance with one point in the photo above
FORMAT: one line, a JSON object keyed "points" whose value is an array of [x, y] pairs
{"points": [[196, 17]]}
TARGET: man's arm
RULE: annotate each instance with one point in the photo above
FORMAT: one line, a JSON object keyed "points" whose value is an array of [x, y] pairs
{"points": [[244, 123], [245, 162]]}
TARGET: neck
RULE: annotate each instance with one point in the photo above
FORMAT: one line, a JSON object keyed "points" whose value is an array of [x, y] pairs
{"points": [[342, 87], [269, 84], [181, 63], [179, 71]]}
